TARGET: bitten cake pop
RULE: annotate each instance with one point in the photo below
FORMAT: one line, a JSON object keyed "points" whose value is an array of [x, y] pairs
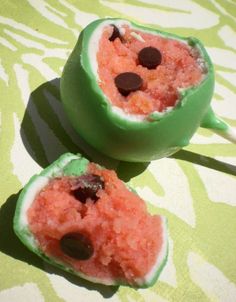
{"points": [[81, 218]]}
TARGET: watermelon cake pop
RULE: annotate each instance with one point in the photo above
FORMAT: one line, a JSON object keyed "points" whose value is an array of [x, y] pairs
{"points": [[137, 93], [81, 218]]}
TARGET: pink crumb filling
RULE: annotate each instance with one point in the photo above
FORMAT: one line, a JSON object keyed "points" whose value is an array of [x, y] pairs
{"points": [[179, 69], [126, 239]]}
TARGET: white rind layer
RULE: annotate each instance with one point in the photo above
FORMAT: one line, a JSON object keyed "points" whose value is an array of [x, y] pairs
{"points": [[94, 42], [161, 256], [29, 197]]}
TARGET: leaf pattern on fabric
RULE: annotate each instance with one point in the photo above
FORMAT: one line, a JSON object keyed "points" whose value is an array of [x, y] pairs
{"points": [[195, 188]]}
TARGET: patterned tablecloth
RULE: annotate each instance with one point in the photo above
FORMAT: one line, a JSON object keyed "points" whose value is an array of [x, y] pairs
{"points": [[195, 188]]}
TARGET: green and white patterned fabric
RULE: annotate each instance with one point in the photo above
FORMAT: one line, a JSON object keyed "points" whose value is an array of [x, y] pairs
{"points": [[195, 188]]}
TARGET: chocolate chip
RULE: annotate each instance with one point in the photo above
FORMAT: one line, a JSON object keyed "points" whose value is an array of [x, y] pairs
{"points": [[115, 34], [127, 82], [87, 186], [77, 246], [149, 57]]}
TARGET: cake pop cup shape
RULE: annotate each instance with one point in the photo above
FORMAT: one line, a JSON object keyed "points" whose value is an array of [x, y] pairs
{"points": [[124, 136]]}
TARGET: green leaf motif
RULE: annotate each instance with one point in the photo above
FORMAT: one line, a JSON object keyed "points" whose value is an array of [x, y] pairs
{"points": [[195, 188]]}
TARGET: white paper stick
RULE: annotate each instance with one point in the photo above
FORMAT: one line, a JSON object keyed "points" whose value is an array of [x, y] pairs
{"points": [[229, 133]]}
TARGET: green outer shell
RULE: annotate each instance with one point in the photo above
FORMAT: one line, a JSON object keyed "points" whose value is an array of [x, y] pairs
{"points": [[68, 164], [90, 112]]}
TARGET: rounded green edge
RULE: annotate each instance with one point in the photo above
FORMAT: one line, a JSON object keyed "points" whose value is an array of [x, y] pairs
{"points": [[123, 122], [65, 163]]}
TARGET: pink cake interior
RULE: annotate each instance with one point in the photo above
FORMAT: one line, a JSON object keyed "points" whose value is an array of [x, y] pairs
{"points": [[179, 68], [126, 239]]}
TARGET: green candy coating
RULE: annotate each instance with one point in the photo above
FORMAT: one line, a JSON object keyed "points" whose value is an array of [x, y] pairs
{"points": [[138, 141], [76, 167]]}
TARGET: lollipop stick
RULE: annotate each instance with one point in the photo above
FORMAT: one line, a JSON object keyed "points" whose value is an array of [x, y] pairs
{"points": [[218, 126], [229, 134]]}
